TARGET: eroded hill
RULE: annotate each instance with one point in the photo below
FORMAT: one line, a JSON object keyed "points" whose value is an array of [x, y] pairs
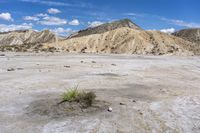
{"points": [[126, 41]]}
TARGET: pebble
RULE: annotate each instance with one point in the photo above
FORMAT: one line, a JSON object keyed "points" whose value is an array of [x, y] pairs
{"points": [[20, 68], [134, 101], [110, 109], [67, 66], [122, 103], [10, 69]]}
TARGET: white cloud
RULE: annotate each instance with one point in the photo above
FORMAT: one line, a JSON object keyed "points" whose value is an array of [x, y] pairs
{"points": [[74, 22], [49, 3], [62, 31], [13, 27], [6, 16], [56, 3], [132, 14], [53, 11], [42, 15], [168, 31], [181, 23], [53, 21], [186, 24], [95, 23], [31, 18]]}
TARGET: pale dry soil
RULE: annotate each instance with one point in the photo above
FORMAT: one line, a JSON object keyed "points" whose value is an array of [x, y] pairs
{"points": [[157, 93]]}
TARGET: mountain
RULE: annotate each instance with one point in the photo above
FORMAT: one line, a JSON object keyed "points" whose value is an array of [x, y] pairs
{"points": [[119, 37], [106, 27], [26, 37], [192, 35], [126, 41]]}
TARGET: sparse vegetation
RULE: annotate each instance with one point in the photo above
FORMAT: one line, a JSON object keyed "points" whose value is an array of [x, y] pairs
{"points": [[70, 95], [86, 99]]}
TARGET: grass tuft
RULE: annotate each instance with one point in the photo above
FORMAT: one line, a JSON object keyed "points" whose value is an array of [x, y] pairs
{"points": [[84, 98], [70, 95]]}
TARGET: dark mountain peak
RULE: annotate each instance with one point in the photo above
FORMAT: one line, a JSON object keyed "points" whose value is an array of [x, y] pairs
{"points": [[192, 35], [106, 27]]}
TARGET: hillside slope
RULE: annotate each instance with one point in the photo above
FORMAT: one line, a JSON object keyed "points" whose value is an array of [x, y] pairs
{"points": [[126, 41], [192, 35], [26, 37]]}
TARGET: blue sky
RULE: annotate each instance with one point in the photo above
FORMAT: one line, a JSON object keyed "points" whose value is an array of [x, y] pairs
{"points": [[66, 16]]}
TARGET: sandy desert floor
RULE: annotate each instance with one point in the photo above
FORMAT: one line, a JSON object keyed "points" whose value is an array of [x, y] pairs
{"points": [[157, 94]]}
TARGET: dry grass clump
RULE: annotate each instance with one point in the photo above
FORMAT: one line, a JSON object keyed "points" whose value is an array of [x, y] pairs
{"points": [[84, 98]]}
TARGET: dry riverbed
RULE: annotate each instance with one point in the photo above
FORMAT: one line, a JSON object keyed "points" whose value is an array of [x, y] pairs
{"points": [[148, 94]]}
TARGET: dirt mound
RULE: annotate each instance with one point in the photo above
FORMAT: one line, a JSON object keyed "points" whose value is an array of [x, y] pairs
{"points": [[106, 27], [126, 41], [54, 109]]}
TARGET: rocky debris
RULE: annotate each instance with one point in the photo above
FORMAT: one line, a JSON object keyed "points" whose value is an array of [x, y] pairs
{"points": [[106, 27], [2, 55]]}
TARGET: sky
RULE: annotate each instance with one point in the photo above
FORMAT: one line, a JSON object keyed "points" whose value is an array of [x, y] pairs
{"points": [[64, 17]]}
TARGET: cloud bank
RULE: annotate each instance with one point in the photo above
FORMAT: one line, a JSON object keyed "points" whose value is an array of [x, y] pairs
{"points": [[13, 27], [6, 16]]}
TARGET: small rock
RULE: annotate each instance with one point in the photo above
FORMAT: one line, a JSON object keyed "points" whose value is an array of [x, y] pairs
{"points": [[20, 68], [122, 103], [10, 69], [2, 55], [109, 109], [81, 61], [113, 64], [94, 62], [67, 66], [134, 101]]}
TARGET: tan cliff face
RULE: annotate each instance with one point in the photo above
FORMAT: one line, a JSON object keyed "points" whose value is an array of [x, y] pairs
{"points": [[26, 37], [126, 41]]}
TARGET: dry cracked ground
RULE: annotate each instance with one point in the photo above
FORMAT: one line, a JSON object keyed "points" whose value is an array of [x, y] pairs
{"points": [[148, 94]]}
